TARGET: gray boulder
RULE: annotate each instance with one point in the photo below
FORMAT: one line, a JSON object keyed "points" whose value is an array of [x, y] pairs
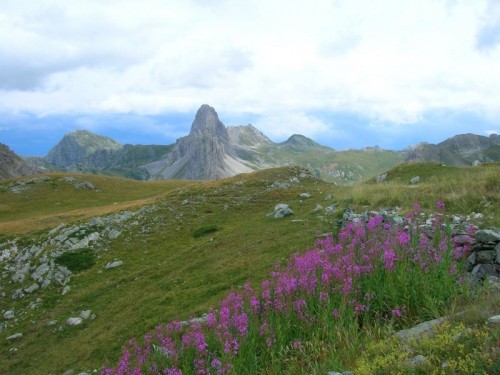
{"points": [[415, 180], [425, 329], [9, 314], [488, 235], [32, 288], [281, 210], [85, 314], [113, 233], [494, 321], [74, 321]]}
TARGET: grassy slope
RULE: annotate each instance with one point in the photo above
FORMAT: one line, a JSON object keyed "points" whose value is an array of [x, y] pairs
{"points": [[168, 274], [353, 165]]}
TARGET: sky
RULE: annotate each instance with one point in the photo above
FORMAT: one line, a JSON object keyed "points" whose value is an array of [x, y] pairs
{"points": [[346, 73]]}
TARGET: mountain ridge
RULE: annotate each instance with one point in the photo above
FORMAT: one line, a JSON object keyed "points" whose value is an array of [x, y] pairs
{"points": [[212, 151]]}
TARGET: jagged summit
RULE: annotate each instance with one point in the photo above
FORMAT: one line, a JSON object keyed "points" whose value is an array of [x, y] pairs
{"points": [[206, 153], [207, 122]]}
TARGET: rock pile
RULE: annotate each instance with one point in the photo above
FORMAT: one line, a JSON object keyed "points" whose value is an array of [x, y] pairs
{"points": [[485, 257]]}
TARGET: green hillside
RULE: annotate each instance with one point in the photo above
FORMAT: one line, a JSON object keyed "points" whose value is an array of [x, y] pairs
{"points": [[190, 245]]}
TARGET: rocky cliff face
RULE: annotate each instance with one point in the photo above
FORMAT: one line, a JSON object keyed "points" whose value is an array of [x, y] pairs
{"points": [[82, 148], [206, 153], [460, 150], [12, 166]]}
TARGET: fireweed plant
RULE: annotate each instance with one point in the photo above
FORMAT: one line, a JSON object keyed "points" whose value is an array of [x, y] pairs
{"points": [[372, 273]]}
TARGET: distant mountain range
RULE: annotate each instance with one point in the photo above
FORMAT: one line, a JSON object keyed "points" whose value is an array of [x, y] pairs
{"points": [[212, 151]]}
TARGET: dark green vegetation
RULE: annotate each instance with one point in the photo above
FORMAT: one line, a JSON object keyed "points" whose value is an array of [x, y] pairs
{"points": [[202, 231], [77, 261], [168, 274]]}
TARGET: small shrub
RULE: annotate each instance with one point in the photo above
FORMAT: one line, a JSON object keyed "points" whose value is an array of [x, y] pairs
{"points": [[202, 231], [77, 261]]}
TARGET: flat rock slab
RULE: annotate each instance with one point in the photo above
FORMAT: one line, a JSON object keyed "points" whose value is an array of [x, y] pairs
{"points": [[425, 329]]}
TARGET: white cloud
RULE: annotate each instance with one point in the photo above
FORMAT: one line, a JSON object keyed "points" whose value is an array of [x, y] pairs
{"points": [[490, 132], [390, 61]]}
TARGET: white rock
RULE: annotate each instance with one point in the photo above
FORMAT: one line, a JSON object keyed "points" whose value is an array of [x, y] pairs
{"points": [[116, 263], [494, 321], [15, 336], [9, 314], [85, 314], [74, 321], [65, 290]]}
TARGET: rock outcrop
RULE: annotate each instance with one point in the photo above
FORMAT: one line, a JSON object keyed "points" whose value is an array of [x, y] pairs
{"points": [[12, 166]]}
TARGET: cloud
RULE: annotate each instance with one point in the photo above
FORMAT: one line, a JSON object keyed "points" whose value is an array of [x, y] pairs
{"points": [[389, 62], [488, 35]]}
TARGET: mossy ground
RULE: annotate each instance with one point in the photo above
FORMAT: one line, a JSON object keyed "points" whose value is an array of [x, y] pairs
{"points": [[168, 273]]}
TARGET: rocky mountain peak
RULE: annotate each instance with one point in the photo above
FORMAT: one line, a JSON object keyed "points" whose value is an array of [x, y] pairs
{"points": [[77, 145], [207, 123]]}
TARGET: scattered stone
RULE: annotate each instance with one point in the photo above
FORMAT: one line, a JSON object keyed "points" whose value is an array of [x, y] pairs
{"points": [[74, 321], [85, 314], [113, 233], [15, 336], [318, 208], [85, 185], [116, 263], [339, 373], [328, 197], [184, 202], [281, 210], [9, 314], [17, 294], [305, 195], [32, 288], [52, 323], [331, 209], [415, 180], [65, 290]]}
